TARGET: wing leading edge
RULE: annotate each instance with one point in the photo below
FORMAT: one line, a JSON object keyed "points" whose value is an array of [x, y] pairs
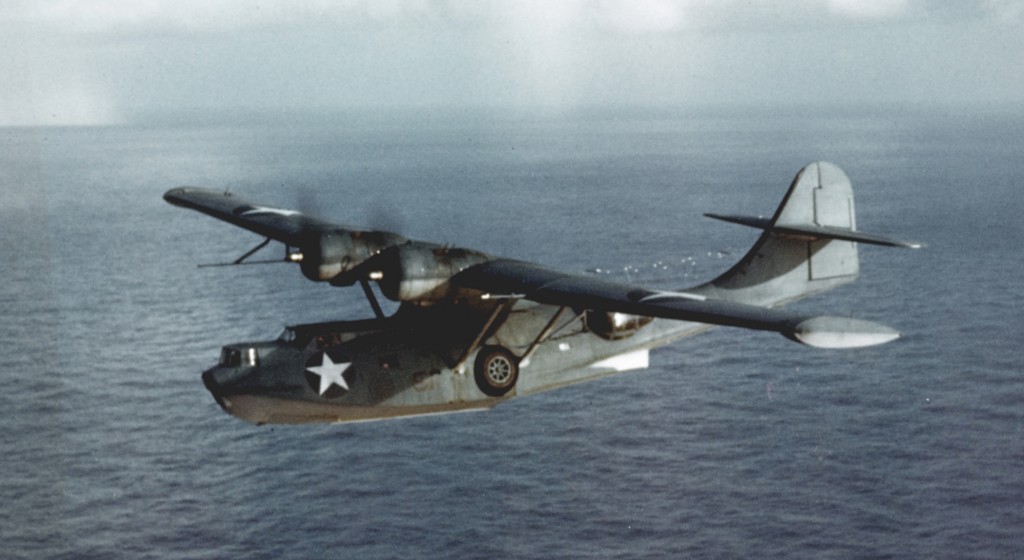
{"points": [[287, 226], [547, 286]]}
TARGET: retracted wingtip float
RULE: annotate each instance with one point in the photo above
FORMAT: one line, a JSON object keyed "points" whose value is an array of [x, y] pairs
{"points": [[473, 330]]}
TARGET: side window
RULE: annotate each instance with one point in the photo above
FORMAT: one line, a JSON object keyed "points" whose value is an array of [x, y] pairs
{"points": [[252, 357], [287, 335]]}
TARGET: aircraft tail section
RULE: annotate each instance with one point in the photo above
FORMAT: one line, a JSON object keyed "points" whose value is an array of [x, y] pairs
{"points": [[808, 246]]}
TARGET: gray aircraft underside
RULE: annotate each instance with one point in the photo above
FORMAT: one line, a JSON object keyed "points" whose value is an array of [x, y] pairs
{"points": [[474, 330]]}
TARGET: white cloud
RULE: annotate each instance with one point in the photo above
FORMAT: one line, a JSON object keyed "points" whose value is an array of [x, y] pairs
{"points": [[868, 9], [46, 81], [645, 15], [627, 16], [67, 103], [92, 16], [95, 61], [1006, 11]]}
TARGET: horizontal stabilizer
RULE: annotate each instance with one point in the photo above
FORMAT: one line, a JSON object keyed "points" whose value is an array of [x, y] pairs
{"points": [[841, 332], [815, 231]]}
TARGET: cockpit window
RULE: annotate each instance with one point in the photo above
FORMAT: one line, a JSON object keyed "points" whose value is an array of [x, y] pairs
{"points": [[230, 357]]}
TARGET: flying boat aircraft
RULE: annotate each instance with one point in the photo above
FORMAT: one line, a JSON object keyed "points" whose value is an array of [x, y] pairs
{"points": [[472, 330]]}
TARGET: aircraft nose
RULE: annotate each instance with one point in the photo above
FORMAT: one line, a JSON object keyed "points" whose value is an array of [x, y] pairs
{"points": [[222, 382], [213, 386]]}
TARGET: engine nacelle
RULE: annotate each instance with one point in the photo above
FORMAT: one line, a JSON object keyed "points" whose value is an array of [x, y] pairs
{"points": [[329, 253], [419, 272], [614, 326]]}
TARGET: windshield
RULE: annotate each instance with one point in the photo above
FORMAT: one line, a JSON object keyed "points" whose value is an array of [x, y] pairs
{"points": [[230, 357]]}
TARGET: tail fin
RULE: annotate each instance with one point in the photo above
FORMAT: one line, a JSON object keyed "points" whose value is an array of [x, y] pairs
{"points": [[808, 246]]}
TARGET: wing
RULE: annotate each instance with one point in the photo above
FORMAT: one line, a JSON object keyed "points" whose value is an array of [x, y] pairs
{"points": [[326, 250], [543, 285], [287, 226], [807, 247]]}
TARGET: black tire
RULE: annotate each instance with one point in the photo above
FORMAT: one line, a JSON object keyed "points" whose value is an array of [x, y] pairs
{"points": [[496, 371]]}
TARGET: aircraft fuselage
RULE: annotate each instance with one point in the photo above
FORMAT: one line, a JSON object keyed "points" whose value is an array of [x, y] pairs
{"points": [[444, 358]]}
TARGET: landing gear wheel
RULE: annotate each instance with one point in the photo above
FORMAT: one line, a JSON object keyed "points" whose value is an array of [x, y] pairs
{"points": [[496, 371]]}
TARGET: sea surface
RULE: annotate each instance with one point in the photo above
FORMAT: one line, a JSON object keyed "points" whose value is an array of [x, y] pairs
{"points": [[733, 444]]}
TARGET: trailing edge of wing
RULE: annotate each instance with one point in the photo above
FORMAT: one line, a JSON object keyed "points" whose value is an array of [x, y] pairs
{"points": [[283, 225], [814, 231], [550, 287]]}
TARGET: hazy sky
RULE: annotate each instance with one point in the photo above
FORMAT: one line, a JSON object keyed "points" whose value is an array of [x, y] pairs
{"points": [[108, 61]]}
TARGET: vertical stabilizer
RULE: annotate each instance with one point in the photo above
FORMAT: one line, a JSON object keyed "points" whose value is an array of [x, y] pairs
{"points": [[788, 262]]}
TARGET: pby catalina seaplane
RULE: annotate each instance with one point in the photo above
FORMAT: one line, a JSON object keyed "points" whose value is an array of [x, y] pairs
{"points": [[473, 330]]}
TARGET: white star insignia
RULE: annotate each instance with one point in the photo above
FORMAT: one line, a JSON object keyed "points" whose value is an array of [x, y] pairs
{"points": [[671, 295], [330, 373], [269, 210]]}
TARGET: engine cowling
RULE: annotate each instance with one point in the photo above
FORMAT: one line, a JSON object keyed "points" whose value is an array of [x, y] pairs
{"points": [[614, 326], [327, 254], [420, 272]]}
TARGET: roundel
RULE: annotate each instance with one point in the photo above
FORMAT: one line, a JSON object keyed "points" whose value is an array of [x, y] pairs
{"points": [[328, 373]]}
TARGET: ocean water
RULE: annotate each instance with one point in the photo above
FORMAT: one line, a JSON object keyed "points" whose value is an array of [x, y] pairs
{"points": [[731, 445]]}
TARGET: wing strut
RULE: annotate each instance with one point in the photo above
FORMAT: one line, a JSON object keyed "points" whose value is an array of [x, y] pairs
{"points": [[241, 260], [372, 298], [254, 249], [544, 334], [484, 332]]}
